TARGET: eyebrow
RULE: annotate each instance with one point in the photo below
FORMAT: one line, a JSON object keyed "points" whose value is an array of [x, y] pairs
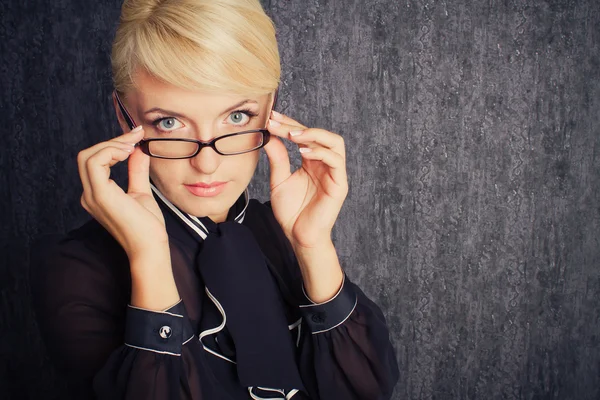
{"points": [[175, 114]]}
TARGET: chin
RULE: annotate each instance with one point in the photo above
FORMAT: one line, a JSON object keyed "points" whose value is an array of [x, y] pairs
{"points": [[207, 206]]}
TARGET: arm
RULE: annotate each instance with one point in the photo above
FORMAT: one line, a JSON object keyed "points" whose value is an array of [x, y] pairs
{"points": [[86, 321], [345, 349], [347, 352], [107, 348], [347, 342]]}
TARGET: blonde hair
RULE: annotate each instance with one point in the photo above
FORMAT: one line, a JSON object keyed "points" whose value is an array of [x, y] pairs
{"points": [[209, 45]]}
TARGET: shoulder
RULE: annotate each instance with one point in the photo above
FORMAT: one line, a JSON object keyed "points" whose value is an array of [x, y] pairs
{"points": [[88, 252], [79, 284], [92, 241]]}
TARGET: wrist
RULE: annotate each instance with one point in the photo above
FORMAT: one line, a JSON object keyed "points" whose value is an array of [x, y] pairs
{"points": [[313, 245], [321, 271], [147, 256], [152, 282]]}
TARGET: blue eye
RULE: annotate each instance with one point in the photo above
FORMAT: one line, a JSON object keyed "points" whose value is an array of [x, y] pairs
{"points": [[239, 118], [167, 124]]}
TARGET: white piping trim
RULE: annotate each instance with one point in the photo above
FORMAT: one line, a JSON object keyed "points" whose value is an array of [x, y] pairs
{"points": [[165, 310], [196, 224], [266, 389], [155, 311], [217, 329], [255, 397], [242, 213], [344, 320], [221, 310], [325, 302], [152, 350], [199, 223], [191, 337], [291, 394], [214, 353], [295, 324], [179, 213]]}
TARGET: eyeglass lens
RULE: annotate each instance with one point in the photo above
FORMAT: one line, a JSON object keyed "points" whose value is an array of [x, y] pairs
{"points": [[236, 144]]}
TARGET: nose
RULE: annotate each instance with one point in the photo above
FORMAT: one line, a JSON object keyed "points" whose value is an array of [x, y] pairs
{"points": [[207, 161]]}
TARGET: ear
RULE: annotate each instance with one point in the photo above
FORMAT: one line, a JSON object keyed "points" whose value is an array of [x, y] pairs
{"points": [[120, 119]]}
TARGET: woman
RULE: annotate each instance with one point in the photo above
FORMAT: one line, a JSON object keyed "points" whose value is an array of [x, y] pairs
{"points": [[182, 287]]}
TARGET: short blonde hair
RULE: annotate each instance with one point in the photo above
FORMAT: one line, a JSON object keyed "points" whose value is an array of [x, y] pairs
{"points": [[209, 45]]}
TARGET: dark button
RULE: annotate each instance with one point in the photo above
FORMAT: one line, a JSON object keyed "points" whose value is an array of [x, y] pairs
{"points": [[165, 332], [319, 317]]}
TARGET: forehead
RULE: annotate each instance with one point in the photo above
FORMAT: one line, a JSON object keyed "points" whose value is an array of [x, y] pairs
{"points": [[151, 92]]}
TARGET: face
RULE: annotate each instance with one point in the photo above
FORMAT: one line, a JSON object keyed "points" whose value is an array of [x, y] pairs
{"points": [[168, 111]]}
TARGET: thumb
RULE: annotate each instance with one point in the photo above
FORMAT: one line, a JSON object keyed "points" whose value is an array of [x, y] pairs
{"points": [[279, 161], [139, 172]]}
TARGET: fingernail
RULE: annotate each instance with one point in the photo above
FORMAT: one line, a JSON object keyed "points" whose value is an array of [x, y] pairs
{"points": [[276, 114], [305, 149], [274, 123], [296, 133], [137, 129]]}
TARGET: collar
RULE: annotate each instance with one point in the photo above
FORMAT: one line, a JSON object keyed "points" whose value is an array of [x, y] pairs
{"points": [[202, 226]]}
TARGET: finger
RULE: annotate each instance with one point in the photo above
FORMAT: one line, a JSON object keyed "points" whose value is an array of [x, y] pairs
{"points": [[98, 166], [333, 160], [131, 137], [84, 156], [284, 119], [279, 161], [139, 172], [320, 137], [283, 130]]}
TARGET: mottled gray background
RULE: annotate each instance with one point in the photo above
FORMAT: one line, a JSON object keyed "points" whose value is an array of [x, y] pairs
{"points": [[473, 217]]}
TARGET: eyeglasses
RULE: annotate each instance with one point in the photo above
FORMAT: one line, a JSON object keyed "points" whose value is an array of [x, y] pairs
{"points": [[180, 148]]}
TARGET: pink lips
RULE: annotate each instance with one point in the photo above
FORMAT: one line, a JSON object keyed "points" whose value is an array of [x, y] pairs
{"points": [[202, 189]]}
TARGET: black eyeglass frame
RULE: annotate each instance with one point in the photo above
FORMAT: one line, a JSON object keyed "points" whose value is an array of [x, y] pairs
{"points": [[144, 144]]}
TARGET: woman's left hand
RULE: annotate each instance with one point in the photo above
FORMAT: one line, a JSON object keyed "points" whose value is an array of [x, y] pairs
{"points": [[306, 203]]}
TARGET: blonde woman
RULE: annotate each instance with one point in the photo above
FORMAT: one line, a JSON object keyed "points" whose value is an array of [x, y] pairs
{"points": [[182, 287]]}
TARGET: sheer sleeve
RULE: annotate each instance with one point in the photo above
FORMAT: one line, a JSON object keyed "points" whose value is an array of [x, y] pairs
{"points": [[346, 351], [106, 348], [150, 364]]}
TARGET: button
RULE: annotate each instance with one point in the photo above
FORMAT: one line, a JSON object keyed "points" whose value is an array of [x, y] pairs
{"points": [[319, 317], [165, 332]]}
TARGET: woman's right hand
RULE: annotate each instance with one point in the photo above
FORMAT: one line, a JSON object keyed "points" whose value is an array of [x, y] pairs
{"points": [[133, 218]]}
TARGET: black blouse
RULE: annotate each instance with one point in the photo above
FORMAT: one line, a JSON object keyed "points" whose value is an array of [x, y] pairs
{"points": [[109, 349]]}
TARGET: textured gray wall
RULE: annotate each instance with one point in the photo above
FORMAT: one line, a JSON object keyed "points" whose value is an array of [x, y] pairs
{"points": [[473, 217]]}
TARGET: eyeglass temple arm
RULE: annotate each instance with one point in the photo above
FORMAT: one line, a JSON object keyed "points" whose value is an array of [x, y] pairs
{"points": [[130, 122], [274, 99]]}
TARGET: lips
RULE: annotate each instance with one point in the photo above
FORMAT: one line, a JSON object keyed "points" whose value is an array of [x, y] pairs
{"points": [[207, 185], [206, 189]]}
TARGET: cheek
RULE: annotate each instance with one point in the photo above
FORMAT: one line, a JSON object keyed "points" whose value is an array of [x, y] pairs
{"points": [[166, 171], [171, 171], [244, 165], [239, 168]]}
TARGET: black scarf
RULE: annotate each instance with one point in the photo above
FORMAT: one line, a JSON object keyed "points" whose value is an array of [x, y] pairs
{"points": [[243, 290]]}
